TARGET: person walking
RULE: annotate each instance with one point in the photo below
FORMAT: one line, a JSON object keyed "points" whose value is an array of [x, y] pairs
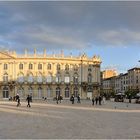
{"points": [[18, 100], [78, 99], [93, 101], [72, 99], [28, 99], [96, 99], [100, 99]]}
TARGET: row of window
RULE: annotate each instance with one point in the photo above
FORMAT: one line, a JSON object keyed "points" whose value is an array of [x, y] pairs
{"points": [[49, 67], [40, 92], [49, 78]]}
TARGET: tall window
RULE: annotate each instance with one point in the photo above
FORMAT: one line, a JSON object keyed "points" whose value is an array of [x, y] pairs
{"points": [[30, 78], [49, 78], [21, 66], [5, 77], [89, 68], [20, 78], [30, 91], [40, 93], [30, 66], [58, 78], [49, 67], [75, 68], [49, 92], [67, 79], [58, 67], [21, 92], [89, 78], [5, 66], [67, 92], [67, 67], [58, 91], [39, 78], [40, 66], [75, 79], [75, 91], [5, 92]]}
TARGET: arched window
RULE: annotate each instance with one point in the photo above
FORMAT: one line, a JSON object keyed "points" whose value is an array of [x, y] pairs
{"points": [[58, 78], [49, 78], [67, 92], [5, 77], [21, 66], [30, 78], [58, 91], [49, 66], [5, 67], [67, 79], [30, 66], [89, 78], [89, 68], [5, 92], [21, 78], [75, 68], [75, 92], [58, 67], [75, 79], [40, 66], [39, 78], [67, 67], [21, 92], [40, 93]]}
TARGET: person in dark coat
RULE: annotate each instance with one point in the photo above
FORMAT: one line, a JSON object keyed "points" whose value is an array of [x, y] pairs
{"points": [[93, 101], [78, 99], [18, 100], [72, 99], [28, 99], [96, 99], [100, 99]]}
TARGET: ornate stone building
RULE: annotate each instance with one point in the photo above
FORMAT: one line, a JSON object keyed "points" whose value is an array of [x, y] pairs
{"points": [[48, 76]]}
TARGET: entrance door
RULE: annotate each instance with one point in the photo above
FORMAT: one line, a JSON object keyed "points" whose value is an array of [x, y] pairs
{"points": [[5, 92]]}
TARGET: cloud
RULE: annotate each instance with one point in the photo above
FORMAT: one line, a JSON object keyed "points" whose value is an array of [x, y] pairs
{"points": [[69, 25]]}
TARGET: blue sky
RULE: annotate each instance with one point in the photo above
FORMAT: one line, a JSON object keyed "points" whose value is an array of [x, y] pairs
{"points": [[109, 29]]}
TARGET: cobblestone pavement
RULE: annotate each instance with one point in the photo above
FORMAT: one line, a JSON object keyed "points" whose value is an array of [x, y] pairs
{"points": [[48, 120]]}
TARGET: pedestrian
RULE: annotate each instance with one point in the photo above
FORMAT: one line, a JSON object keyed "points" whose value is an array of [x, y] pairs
{"points": [[28, 99], [103, 99], [78, 99], [93, 101], [96, 99], [72, 99], [17, 100], [100, 99], [57, 99]]}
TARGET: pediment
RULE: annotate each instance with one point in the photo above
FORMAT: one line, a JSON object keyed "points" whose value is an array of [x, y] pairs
{"points": [[4, 55]]}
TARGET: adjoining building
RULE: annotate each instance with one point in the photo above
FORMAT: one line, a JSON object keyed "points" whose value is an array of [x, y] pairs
{"points": [[109, 73], [123, 82], [48, 75]]}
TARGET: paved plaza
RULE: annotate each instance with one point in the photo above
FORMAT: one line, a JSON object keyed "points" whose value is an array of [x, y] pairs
{"points": [[48, 120]]}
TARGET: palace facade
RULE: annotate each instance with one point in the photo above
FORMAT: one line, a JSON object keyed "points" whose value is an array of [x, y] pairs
{"points": [[48, 75]]}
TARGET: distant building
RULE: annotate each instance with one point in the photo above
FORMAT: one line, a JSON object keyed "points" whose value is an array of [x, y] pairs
{"points": [[109, 73], [122, 82]]}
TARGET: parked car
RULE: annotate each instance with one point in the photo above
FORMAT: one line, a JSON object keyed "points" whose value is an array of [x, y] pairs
{"points": [[137, 98], [119, 97]]}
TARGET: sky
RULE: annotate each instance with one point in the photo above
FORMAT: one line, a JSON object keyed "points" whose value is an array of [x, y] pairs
{"points": [[110, 29]]}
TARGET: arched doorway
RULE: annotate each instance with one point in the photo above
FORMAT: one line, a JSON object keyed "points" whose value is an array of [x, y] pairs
{"points": [[58, 91], [67, 92], [39, 93], [5, 92]]}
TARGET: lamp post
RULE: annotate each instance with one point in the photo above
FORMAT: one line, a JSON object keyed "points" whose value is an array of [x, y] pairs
{"points": [[81, 76]]}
